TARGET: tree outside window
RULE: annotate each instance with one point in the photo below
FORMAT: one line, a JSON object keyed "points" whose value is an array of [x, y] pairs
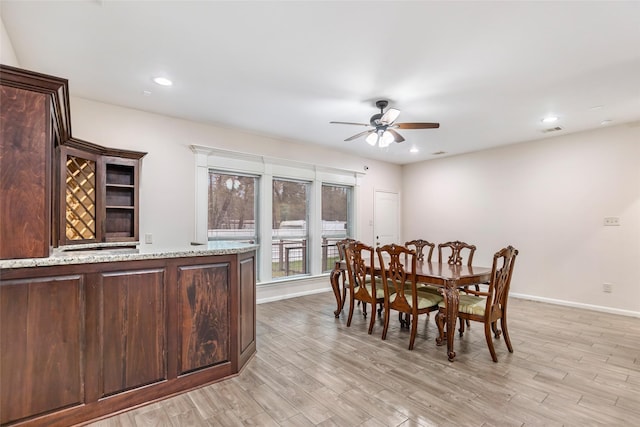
{"points": [[336, 221], [290, 227], [232, 207]]}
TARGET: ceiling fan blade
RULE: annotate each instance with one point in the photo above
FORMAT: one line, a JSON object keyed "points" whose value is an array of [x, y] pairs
{"points": [[390, 116], [358, 135], [396, 136], [416, 125], [350, 123]]}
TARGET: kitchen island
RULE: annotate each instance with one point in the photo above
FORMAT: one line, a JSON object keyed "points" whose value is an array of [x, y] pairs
{"points": [[92, 331]]}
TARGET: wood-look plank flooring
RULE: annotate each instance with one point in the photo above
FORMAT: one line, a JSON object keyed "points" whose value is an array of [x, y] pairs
{"points": [[570, 367]]}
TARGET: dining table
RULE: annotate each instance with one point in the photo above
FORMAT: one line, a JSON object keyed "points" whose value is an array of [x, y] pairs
{"points": [[449, 277]]}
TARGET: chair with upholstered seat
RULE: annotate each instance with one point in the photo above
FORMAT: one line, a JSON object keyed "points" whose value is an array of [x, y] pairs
{"points": [[487, 307], [398, 268], [363, 286], [420, 246], [456, 252], [341, 244]]}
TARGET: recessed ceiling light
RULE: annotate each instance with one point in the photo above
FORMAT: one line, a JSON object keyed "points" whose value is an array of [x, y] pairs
{"points": [[413, 150], [596, 107], [550, 119], [162, 81], [146, 92], [605, 122]]}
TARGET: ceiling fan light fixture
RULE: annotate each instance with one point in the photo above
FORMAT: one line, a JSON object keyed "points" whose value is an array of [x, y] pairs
{"points": [[372, 139], [386, 139]]}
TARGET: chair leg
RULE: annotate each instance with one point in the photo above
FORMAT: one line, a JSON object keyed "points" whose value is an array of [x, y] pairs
{"points": [[373, 317], [507, 340], [462, 323], [380, 309], [440, 322], [386, 321], [487, 334], [494, 328], [414, 330], [364, 309], [351, 307]]}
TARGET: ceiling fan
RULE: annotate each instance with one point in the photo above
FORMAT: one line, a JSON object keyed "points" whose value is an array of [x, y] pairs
{"points": [[384, 125]]}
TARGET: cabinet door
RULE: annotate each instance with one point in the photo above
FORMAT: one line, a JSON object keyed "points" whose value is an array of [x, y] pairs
{"points": [[133, 329], [42, 328], [203, 316], [25, 174], [79, 197], [247, 298]]}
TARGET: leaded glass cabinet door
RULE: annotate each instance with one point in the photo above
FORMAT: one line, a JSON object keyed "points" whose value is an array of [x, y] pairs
{"points": [[79, 197]]}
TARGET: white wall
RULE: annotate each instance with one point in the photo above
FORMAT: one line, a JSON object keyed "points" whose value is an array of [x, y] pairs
{"points": [[7, 54], [547, 198], [168, 170], [167, 186]]}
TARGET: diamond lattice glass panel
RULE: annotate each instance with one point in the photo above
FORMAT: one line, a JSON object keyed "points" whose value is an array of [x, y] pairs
{"points": [[80, 199]]}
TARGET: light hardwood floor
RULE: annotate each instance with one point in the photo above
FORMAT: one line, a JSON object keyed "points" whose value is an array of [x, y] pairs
{"points": [[570, 367]]}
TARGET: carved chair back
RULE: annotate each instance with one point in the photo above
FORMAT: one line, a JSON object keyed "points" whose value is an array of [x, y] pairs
{"points": [[501, 272], [359, 257], [457, 252], [398, 266], [420, 246]]}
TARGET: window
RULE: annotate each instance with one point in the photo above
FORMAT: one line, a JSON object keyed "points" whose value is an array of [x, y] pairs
{"points": [[290, 232], [336, 221], [232, 207], [295, 228]]}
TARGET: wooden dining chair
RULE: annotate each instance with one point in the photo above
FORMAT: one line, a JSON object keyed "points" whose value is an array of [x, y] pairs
{"points": [[420, 246], [364, 287], [398, 268], [341, 244], [487, 307]]}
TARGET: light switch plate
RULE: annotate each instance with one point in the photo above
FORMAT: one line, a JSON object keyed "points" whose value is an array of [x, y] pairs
{"points": [[148, 238]]}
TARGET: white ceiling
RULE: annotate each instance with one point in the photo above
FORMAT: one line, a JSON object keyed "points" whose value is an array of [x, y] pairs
{"points": [[488, 72]]}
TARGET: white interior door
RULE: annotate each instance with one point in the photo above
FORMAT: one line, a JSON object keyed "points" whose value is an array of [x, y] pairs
{"points": [[386, 224]]}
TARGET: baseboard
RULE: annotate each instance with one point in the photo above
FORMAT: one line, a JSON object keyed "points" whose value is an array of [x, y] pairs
{"points": [[577, 305], [276, 291]]}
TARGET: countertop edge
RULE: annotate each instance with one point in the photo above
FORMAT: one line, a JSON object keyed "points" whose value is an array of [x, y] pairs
{"points": [[71, 258]]}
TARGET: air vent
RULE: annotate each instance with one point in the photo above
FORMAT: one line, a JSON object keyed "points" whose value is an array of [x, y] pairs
{"points": [[555, 129], [437, 153]]}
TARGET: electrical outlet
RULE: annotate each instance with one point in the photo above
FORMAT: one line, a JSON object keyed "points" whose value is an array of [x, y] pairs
{"points": [[148, 238], [611, 221], [607, 287]]}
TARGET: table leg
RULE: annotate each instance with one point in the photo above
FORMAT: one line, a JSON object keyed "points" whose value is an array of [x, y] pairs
{"points": [[452, 298], [335, 285]]}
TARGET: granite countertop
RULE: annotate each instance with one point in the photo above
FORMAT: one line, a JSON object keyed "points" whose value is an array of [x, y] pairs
{"points": [[88, 254]]}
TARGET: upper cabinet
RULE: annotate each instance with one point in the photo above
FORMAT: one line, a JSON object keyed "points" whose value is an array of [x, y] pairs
{"points": [[99, 194], [33, 119], [56, 190]]}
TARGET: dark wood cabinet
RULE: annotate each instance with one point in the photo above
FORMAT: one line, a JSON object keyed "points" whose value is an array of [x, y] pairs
{"points": [[42, 338], [31, 122], [100, 194], [85, 340], [132, 328], [57, 190]]}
